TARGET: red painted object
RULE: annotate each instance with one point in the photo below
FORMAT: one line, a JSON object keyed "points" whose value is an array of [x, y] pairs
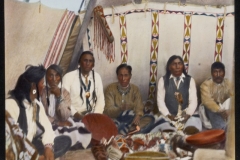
{"points": [[205, 138], [100, 126]]}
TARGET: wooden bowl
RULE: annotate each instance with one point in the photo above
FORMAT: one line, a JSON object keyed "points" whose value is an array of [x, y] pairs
{"points": [[205, 138]]}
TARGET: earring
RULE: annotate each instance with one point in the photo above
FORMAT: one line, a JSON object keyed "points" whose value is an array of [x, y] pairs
{"points": [[34, 91]]}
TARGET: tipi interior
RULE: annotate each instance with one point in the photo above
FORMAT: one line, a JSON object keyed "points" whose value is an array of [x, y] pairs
{"points": [[142, 33]]}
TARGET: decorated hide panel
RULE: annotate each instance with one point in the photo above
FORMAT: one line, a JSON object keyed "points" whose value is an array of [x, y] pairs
{"points": [[228, 47], [151, 37]]}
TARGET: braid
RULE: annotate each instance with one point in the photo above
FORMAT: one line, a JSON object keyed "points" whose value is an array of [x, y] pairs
{"points": [[94, 91], [81, 90], [47, 92], [61, 88]]}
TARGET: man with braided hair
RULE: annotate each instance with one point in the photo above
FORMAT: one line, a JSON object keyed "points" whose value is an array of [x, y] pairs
{"points": [[85, 88]]}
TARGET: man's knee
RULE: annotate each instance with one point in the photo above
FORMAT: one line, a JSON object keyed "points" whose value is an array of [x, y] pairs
{"points": [[61, 145]]}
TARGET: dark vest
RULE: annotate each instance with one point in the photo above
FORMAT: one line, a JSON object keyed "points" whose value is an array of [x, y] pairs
{"points": [[22, 120], [170, 99]]}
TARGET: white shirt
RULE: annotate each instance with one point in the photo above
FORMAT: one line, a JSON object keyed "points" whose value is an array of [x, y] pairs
{"points": [[13, 109], [192, 96], [71, 83]]}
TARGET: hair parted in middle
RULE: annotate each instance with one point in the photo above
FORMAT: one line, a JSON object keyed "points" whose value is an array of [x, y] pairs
{"points": [[124, 65], [86, 52], [59, 71], [168, 72], [94, 95]]}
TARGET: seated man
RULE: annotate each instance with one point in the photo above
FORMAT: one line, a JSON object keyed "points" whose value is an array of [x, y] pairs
{"points": [[14, 138], [85, 88], [26, 110], [214, 92], [124, 103], [177, 97], [56, 101]]}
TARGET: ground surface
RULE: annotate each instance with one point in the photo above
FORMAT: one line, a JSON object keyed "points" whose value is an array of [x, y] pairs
{"points": [[85, 154]]}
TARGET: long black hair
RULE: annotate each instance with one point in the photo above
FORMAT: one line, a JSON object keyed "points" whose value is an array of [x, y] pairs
{"points": [[59, 71], [94, 95], [32, 74], [168, 72]]}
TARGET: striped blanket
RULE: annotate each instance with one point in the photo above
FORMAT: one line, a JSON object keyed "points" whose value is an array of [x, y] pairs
{"points": [[59, 40]]}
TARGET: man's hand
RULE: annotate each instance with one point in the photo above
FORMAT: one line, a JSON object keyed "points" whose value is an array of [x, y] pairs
{"points": [[185, 118], [64, 123], [136, 120], [55, 90], [171, 117], [77, 116], [48, 153], [41, 157], [224, 114], [125, 107]]}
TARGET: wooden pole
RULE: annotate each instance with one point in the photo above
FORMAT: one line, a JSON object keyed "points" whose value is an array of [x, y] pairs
{"points": [[78, 46]]}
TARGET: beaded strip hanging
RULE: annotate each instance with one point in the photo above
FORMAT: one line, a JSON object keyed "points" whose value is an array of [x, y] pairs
{"points": [[187, 38], [219, 39], [153, 55], [123, 38], [103, 37]]}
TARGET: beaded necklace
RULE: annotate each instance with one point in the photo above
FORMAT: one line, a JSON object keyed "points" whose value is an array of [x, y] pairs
{"points": [[87, 91], [123, 92]]}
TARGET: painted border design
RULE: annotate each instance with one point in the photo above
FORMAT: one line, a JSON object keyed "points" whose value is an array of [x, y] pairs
{"points": [[153, 55], [123, 38], [230, 14], [219, 39], [187, 38]]}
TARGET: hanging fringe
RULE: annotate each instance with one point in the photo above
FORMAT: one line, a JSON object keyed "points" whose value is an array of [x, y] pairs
{"points": [[103, 37]]}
